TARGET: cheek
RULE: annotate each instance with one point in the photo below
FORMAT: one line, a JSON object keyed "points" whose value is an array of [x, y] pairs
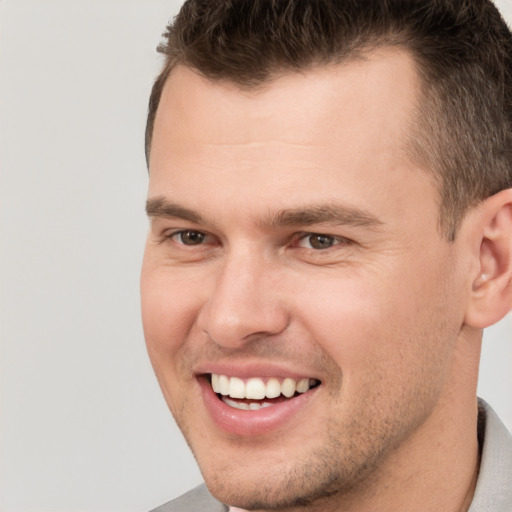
{"points": [[168, 314], [377, 328], [346, 315], [169, 307]]}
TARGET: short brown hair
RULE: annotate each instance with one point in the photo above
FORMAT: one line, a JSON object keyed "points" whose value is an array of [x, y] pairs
{"points": [[462, 48]]}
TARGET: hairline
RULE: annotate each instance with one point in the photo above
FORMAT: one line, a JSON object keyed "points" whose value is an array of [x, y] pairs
{"points": [[414, 146]]}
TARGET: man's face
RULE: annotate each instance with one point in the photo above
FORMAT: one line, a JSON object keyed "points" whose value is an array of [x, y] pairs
{"points": [[292, 238]]}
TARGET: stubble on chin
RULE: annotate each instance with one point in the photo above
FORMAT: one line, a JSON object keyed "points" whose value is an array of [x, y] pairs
{"points": [[335, 469], [347, 465]]}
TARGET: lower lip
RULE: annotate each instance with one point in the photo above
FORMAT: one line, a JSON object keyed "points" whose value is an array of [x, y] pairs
{"points": [[252, 423]]}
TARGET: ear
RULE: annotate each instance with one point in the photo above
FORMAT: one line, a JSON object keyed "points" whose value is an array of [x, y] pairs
{"points": [[491, 294]]}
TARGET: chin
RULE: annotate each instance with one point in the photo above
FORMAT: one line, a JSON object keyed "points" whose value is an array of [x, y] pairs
{"points": [[268, 482], [268, 495]]}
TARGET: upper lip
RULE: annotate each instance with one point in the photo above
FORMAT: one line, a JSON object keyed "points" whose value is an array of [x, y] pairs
{"points": [[248, 370]]}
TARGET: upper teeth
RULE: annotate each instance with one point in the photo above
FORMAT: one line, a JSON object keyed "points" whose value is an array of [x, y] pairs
{"points": [[257, 389]]}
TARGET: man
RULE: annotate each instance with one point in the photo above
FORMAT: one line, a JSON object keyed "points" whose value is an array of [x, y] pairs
{"points": [[330, 196]]}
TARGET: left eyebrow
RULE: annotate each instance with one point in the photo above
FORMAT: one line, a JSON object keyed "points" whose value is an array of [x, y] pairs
{"points": [[323, 214]]}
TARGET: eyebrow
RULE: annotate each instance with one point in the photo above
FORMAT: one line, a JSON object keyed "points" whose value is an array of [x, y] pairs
{"points": [[160, 207], [318, 214], [335, 214]]}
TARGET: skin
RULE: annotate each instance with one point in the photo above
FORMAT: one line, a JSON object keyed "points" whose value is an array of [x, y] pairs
{"points": [[380, 317]]}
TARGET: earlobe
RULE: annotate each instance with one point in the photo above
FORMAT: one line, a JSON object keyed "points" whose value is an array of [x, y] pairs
{"points": [[491, 294]]}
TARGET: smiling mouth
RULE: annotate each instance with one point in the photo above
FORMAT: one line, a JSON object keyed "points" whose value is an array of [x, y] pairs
{"points": [[257, 393]]}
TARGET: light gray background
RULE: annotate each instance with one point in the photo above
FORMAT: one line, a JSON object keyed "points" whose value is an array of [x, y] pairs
{"points": [[82, 423]]}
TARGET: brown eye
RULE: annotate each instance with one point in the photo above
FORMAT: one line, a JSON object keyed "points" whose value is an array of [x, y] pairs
{"points": [[318, 241], [190, 237]]}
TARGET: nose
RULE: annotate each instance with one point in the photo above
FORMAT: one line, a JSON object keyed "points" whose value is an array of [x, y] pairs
{"points": [[243, 303]]}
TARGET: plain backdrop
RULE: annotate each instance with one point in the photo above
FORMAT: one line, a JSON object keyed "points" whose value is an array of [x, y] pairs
{"points": [[83, 426]]}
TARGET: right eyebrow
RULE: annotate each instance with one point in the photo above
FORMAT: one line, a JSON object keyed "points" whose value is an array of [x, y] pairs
{"points": [[160, 207]]}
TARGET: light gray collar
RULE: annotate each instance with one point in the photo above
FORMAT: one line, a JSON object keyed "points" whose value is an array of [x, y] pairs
{"points": [[494, 487]]}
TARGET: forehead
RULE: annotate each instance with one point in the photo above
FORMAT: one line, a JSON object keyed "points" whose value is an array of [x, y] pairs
{"points": [[331, 131], [300, 107]]}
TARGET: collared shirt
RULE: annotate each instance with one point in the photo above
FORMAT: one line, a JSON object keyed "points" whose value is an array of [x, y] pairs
{"points": [[493, 492]]}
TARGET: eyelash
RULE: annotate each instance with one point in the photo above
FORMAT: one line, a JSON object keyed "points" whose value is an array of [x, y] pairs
{"points": [[179, 234], [297, 241], [334, 240]]}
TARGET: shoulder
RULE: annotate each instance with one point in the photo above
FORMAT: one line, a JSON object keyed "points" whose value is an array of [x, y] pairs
{"points": [[194, 500], [494, 487]]}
